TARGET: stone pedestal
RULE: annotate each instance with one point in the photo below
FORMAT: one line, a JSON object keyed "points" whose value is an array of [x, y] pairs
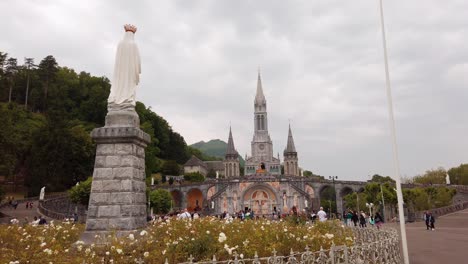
{"points": [[118, 192]]}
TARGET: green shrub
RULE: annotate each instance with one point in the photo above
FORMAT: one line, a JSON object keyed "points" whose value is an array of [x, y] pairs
{"points": [[80, 193]]}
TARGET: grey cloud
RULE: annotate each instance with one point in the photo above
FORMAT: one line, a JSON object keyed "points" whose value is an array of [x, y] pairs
{"points": [[321, 63]]}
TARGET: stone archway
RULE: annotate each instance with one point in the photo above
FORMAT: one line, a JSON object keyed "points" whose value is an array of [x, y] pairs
{"points": [[343, 192], [194, 199], [176, 199], [261, 199]]}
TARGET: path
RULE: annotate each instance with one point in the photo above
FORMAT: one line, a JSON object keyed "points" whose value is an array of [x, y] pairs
{"points": [[447, 244], [20, 213]]}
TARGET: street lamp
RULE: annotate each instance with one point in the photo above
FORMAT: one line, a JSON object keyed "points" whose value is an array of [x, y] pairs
{"points": [[370, 205], [333, 178]]}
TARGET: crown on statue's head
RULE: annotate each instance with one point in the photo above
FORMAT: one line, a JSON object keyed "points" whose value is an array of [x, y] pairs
{"points": [[130, 28]]}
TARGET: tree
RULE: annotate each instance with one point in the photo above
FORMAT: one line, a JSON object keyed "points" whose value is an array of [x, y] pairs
{"points": [[29, 64], [48, 69], [10, 71], [351, 201], [436, 176], [194, 177], [60, 156], [382, 179], [308, 173], [80, 193], [171, 181], [160, 201], [170, 167], [459, 175]]}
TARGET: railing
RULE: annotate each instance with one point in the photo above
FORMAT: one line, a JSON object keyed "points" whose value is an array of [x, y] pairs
{"points": [[60, 207], [371, 246], [436, 212], [31, 199]]}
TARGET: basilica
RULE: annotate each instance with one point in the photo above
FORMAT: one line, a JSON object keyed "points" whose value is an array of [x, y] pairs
{"points": [[264, 188]]}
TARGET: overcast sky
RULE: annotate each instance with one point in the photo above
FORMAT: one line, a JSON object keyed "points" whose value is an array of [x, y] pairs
{"points": [[321, 64]]}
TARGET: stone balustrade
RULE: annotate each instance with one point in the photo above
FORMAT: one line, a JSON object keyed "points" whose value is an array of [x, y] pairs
{"points": [[61, 207], [437, 212]]}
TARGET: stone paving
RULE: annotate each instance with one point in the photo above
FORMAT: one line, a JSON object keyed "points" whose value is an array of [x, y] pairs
{"points": [[20, 213], [447, 244]]}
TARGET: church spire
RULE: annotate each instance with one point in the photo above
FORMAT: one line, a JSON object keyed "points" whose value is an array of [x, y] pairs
{"points": [[230, 150], [259, 97], [290, 146]]}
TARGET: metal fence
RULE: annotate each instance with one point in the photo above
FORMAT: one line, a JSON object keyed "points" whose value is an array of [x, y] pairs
{"points": [[371, 246]]}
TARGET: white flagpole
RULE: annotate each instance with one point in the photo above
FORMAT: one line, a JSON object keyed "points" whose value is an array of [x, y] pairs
{"points": [[395, 147]]}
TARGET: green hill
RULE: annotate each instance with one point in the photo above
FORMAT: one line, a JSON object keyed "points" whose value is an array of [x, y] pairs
{"points": [[215, 148]]}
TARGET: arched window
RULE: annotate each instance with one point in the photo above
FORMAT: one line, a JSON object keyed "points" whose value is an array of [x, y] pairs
{"points": [[230, 169], [258, 122], [235, 170]]}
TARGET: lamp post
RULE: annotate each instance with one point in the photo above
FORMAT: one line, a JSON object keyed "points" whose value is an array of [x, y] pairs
{"points": [[383, 202], [396, 161], [333, 178]]}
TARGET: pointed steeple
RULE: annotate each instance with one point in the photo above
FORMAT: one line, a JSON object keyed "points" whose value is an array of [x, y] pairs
{"points": [[230, 150], [259, 97], [290, 146]]}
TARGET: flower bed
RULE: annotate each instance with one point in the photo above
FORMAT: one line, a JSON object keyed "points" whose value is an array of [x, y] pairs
{"points": [[174, 240]]}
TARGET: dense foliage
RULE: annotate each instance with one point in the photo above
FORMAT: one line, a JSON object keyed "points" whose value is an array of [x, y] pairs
{"points": [[160, 201], [47, 113], [174, 240], [80, 193], [420, 198], [194, 177]]}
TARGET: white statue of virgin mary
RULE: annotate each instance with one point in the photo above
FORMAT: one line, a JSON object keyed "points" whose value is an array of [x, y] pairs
{"points": [[127, 71]]}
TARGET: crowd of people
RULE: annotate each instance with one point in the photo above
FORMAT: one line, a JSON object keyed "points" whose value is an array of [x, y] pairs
{"points": [[353, 218]]}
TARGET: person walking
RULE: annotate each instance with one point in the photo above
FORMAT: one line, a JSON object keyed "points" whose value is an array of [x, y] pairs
{"points": [[378, 220], [426, 219], [322, 215], [362, 220], [431, 221], [355, 218]]}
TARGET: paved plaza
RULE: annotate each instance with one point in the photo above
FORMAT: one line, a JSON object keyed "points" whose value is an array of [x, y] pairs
{"points": [[21, 213], [447, 244]]}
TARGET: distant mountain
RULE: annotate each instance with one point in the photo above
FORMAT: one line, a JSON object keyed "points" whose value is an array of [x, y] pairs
{"points": [[215, 147]]}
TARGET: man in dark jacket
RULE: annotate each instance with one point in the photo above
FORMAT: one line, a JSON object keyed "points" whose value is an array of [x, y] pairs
{"points": [[431, 221]]}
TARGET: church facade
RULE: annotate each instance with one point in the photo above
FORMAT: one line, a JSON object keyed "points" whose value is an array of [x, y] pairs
{"points": [[264, 188]]}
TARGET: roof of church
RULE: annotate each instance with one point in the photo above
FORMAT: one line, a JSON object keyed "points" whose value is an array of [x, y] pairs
{"points": [[194, 161], [259, 97], [231, 150], [215, 165], [290, 146]]}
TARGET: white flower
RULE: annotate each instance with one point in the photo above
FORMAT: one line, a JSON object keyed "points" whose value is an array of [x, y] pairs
{"points": [[164, 252], [329, 236], [146, 254], [48, 251], [43, 244], [107, 253], [131, 236], [241, 256], [208, 232], [222, 237], [119, 251], [143, 233]]}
